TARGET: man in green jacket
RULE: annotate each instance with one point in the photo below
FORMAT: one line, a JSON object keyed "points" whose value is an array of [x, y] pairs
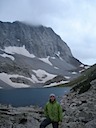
{"points": [[53, 113]]}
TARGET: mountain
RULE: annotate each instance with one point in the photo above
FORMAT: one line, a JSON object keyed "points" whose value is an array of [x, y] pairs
{"points": [[32, 55]]}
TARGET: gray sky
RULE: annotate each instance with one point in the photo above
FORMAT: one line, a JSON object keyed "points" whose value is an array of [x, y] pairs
{"points": [[73, 20]]}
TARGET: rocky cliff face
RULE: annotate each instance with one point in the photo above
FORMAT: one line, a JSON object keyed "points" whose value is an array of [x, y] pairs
{"points": [[31, 55], [38, 40]]}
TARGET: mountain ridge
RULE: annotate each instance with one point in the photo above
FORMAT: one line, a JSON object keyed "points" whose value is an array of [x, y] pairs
{"points": [[30, 50], [35, 35]]}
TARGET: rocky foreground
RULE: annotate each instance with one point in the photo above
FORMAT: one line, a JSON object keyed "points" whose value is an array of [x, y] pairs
{"points": [[79, 112], [22, 117], [80, 109]]}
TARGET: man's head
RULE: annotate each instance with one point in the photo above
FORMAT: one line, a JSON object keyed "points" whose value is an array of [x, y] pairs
{"points": [[52, 97]]}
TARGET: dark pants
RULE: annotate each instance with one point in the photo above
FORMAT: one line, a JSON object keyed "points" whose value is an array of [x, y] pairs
{"points": [[47, 122]]}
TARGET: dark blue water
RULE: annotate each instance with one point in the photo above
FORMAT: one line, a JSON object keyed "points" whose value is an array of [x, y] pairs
{"points": [[30, 96]]}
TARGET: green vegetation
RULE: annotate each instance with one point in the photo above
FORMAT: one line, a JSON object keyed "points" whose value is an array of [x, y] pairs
{"points": [[82, 83]]}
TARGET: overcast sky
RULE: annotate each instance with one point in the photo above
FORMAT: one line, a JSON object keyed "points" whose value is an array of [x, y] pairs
{"points": [[73, 20]]}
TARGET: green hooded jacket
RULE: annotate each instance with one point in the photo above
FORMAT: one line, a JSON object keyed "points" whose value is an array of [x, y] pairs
{"points": [[53, 111]]}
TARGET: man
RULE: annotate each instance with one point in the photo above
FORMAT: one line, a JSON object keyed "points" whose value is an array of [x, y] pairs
{"points": [[53, 113]]}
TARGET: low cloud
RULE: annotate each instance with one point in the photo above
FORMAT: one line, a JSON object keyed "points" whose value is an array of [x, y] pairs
{"points": [[73, 20]]}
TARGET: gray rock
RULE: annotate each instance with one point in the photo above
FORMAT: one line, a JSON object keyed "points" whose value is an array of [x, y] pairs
{"points": [[42, 42], [24, 117], [91, 124], [80, 109], [41, 38]]}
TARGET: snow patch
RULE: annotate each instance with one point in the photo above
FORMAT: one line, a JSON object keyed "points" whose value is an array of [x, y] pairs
{"points": [[86, 67], [53, 57], [67, 77], [43, 75], [82, 66], [9, 56], [55, 84], [74, 73], [18, 50], [6, 78], [56, 67], [82, 70], [46, 60], [35, 80], [58, 54]]}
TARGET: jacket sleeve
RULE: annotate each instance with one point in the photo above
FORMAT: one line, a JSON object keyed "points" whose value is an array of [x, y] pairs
{"points": [[46, 111], [60, 113]]}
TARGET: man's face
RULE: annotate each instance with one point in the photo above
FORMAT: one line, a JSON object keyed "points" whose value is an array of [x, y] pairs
{"points": [[52, 98]]}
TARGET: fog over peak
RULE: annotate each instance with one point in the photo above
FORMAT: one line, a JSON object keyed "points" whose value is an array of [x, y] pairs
{"points": [[73, 20]]}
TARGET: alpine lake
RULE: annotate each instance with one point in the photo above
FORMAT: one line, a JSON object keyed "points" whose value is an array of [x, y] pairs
{"points": [[30, 96]]}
